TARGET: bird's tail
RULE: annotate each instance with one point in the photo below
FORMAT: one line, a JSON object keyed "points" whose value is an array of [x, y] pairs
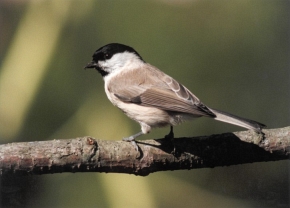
{"points": [[238, 121]]}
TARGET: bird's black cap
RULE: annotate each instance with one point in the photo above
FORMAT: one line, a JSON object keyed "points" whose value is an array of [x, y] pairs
{"points": [[107, 51]]}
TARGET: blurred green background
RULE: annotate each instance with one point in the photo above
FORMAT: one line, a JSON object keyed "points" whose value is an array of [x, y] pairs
{"points": [[234, 55]]}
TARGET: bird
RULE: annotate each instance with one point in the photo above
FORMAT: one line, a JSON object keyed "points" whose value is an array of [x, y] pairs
{"points": [[151, 97]]}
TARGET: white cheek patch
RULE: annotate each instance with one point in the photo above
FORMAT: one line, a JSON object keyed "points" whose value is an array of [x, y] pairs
{"points": [[118, 61], [105, 65]]}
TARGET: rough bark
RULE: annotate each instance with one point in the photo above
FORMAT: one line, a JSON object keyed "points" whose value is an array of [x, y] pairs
{"points": [[86, 154]]}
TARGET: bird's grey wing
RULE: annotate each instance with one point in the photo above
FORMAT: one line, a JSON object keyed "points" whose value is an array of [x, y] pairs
{"points": [[153, 88], [184, 94], [168, 101]]}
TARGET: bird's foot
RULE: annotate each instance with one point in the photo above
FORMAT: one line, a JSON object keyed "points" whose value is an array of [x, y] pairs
{"points": [[129, 139], [132, 140]]}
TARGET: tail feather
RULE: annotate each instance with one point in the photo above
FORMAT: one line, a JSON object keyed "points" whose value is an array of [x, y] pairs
{"points": [[238, 121]]}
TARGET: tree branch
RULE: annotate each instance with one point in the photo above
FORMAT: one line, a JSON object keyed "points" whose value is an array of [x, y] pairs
{"points": [[86, 154]]}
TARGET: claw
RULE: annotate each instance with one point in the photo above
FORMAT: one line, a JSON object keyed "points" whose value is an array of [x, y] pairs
{"points": [[132, 140], [129, 139]]}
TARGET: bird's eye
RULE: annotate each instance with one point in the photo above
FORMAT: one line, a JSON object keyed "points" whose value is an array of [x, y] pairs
{"points": [[107, 56]]}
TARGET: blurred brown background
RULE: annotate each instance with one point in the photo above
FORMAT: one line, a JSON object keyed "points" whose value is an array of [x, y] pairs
{"points": [[234, 55]]}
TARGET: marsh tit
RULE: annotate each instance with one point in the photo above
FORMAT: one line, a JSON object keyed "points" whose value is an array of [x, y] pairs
{"points": [[149, 96]]}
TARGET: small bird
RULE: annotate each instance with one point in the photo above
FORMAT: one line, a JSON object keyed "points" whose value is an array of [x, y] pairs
{"points": [[149, 96]]}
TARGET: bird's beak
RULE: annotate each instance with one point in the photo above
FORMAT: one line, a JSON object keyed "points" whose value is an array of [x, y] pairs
{"points": [[91, 64]]}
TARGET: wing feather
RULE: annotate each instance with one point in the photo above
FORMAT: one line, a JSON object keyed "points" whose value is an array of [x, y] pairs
{"points": [[168, 100], [151, 87]]}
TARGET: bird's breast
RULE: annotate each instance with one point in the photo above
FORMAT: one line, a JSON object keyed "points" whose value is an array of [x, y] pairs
{"points": [[114, 100]]}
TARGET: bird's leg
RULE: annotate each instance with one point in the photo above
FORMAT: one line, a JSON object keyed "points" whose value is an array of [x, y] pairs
{"points": [[132, 139], [171, 137]]}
